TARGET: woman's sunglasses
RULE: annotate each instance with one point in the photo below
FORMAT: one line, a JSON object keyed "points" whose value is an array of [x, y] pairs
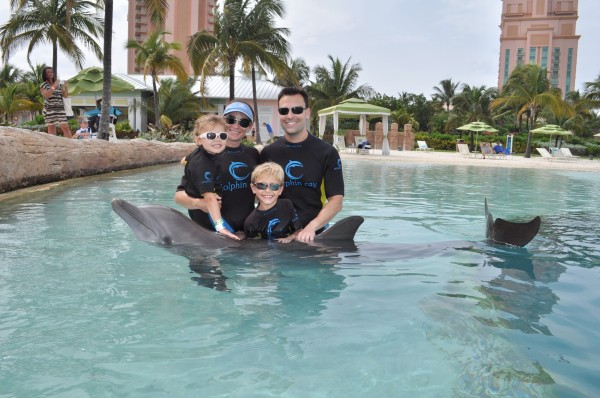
{"points": [[211, 135], [242, 121], [297, 110], [261, 186]]}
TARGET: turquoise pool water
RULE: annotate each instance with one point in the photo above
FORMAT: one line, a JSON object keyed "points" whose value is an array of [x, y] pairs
{"points": [[420, 307]]}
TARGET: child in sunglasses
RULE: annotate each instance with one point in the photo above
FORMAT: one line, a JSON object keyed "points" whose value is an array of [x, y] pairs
{"points": [[273, 219], [202, 178]]}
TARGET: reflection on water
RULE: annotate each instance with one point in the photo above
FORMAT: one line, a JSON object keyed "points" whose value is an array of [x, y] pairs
{"points": [[419, 306]]}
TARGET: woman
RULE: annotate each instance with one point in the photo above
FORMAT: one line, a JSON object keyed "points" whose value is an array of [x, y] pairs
{"points": [[54, 109]]}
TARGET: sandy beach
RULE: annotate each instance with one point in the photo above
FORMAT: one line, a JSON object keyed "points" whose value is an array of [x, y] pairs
{"points": [[454, 158]]}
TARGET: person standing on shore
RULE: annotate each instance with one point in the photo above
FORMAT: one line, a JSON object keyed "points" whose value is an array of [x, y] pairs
{"points": [[313, 169], [54, 109]]}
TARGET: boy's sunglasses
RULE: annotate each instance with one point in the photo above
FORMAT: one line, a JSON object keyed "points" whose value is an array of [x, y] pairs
{"points": [[211, 135], [297, 110], [261, 186], [242, 121]]}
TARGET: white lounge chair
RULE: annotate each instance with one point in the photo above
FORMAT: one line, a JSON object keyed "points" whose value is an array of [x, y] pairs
{"points": [[463, 150], [423, 146], [358, 141], [339, 143], [567, 153], [548, 156]]}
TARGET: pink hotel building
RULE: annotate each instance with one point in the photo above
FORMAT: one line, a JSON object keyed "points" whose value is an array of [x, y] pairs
{"points": [[540, 32]]}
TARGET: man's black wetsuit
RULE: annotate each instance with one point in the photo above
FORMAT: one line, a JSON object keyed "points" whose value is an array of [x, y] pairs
{"points": [[313, 173]]}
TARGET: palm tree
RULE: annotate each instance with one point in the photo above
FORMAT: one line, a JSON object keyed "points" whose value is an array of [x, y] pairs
{"points": [[157, 10], [592, 91], [337, 83], [155, 57], [178, 102], [240, 32], [36, 23], [9, 74], [472, 103], [528, 89], [13, 99], [297, 74], [445, 92]]}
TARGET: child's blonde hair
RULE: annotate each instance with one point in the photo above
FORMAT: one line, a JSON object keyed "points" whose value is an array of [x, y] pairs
{"points": [[268, 169], [207, 121]]}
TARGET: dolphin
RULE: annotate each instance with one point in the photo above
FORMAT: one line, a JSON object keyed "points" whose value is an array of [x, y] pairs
{"points": [[163, 225]]}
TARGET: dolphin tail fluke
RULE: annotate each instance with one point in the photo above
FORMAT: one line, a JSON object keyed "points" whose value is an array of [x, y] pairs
{"points": [[345, 229], [509, 232]]}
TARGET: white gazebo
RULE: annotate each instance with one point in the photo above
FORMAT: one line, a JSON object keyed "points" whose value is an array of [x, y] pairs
{"points": [[353, 108]]}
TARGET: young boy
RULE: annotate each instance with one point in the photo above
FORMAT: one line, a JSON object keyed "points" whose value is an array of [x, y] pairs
{"points": [[202, 176], [273, 218], [84, 130]]}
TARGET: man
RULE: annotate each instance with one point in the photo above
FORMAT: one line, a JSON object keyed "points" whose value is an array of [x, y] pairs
{"points": [[236, 165], [498, 148], [313, 169]]}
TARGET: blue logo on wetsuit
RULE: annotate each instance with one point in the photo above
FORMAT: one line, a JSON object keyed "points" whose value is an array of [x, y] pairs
{"points": [[291, 165], [232, 170], [270, 226], [207, 177], [239, 180]]}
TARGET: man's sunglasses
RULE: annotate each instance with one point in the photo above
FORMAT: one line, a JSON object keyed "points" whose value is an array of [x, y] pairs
{"points": [[211, 135], [261, 186], [297, 110], [242, 121]]}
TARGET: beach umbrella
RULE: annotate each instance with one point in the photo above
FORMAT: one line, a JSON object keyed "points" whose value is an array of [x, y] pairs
{"points": [[477, 127], [91, 80], [551, 129]]}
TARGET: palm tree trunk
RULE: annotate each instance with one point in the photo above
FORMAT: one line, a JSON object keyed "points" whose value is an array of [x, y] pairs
{"points": [[256, 121], [156, 104], [529, 134], [55, 59], [231, 80], [107, 64]]}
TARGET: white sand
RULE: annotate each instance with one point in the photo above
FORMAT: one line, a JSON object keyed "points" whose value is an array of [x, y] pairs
{"points": [[434, 157]]}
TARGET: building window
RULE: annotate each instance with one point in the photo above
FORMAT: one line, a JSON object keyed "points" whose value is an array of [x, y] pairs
{"points": [[506, 63], [520, 56], [555, 67], [569, 69], [532, 53], [544, 63]]}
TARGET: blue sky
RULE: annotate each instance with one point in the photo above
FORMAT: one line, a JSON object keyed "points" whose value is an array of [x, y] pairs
{"points": [[402, 45]]}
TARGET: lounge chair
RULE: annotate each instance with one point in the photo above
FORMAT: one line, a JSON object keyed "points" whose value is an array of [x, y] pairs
{"points": [[423, 146], [463, 150], [567, 153], [339, 142], [548, 156], [487, 151], [363, 146]]}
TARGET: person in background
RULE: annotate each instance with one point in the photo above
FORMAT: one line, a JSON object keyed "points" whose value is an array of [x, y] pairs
{"points": [[313, 169], [269, 131], [236, 162], [498, 148], [84, 130], [53, 92], [272, 219]]}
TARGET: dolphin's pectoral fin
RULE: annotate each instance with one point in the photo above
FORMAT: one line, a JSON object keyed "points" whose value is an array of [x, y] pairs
{"points": [[509, 232], [344, 229]]}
